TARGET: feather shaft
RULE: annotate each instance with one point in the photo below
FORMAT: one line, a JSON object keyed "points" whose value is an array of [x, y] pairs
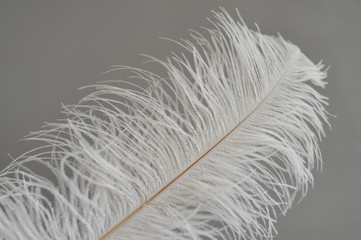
{"points": [[193, 164]]}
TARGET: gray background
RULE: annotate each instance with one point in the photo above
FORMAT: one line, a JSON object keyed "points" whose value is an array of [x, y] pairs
{"points": [[49, 49]]}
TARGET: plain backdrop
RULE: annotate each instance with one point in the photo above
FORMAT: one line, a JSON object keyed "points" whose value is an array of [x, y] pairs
{"points": [[48, 49]]}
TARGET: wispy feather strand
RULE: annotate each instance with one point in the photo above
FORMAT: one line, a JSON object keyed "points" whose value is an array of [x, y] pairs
{"points": [[120, 146]]}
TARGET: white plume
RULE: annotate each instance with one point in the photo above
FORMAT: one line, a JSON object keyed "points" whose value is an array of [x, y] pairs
{"points": [[215, 150]]}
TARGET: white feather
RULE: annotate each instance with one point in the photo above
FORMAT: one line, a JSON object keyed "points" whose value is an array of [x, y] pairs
{"points": [[240, 102]]}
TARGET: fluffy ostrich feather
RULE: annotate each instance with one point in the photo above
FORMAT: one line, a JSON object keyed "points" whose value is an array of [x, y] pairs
{"points": [[216, 150]]}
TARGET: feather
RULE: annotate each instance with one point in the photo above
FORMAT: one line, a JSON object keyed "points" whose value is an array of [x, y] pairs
{"points": [[215, 150]]}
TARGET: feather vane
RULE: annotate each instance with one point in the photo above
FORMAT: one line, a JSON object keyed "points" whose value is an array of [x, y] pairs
{"points": [[215, 150]]}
